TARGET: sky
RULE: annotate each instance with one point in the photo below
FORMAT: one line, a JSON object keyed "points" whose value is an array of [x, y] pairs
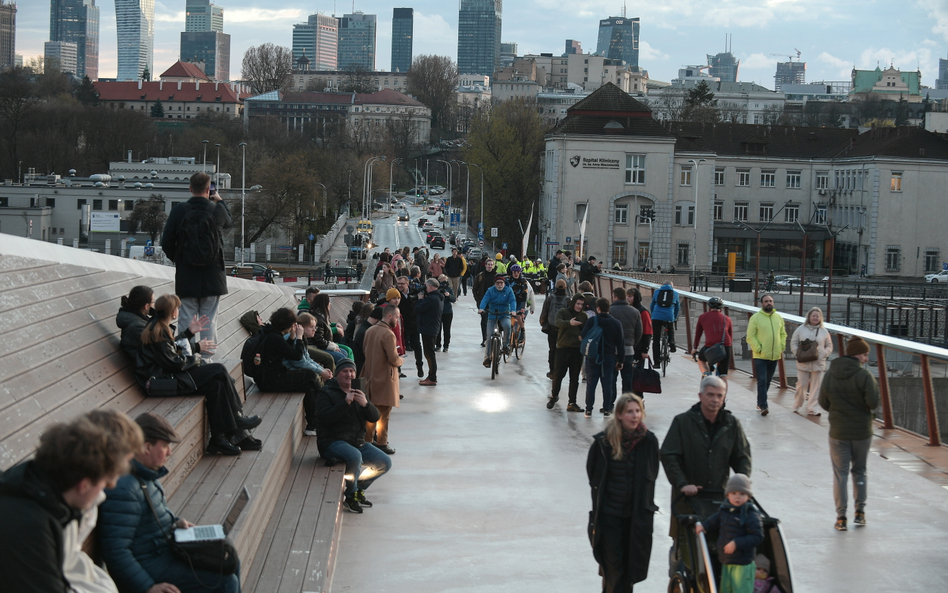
{"points": [[832, 36]]}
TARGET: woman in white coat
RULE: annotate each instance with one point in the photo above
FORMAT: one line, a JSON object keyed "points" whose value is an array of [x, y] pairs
{"points": [[810, 374]]}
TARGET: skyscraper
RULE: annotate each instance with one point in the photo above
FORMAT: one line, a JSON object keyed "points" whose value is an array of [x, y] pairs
{"points": [[7, 35], [479, 26], [62, 55], [77, 21], [204, 41], [789, 73], [135, 28], [508, 53], [619, 40], [942, 81], [402, 30], [573, 47], [724, 66], [357, 41], [318, 40]]}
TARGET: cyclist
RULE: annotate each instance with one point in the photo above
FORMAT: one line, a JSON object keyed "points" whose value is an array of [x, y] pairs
{"points": [[498, 302], [664, 311], [717, 329], [522, 293]]}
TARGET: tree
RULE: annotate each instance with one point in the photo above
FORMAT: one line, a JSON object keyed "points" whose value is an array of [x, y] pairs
{"points": [[316, 84], [357, 80], [670, 104], [288, 198], [17, 97], [267, 67], [85, 93], [157, 110], [771, 114], [146, 74], [733, 112], [433, 80], [148, 215], [507, 141], [700, 105]]}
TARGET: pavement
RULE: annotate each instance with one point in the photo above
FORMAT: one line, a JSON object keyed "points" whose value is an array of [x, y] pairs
{"points": [[488, 491]]}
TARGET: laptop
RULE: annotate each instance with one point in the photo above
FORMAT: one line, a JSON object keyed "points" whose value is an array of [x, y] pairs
{"points": [[201, 533]]}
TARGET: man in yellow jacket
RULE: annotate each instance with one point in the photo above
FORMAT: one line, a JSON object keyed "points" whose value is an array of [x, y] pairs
{"points": [[766, 336]]}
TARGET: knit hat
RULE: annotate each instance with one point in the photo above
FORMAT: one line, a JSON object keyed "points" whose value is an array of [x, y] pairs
{"points": [[498, 257], [856, 345], [376, 313], [392, 293], [762, 562], [737, 482], [345, 363]]}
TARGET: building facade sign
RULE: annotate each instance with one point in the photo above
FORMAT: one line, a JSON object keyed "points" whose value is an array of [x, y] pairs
{"points": [[594, 162]]}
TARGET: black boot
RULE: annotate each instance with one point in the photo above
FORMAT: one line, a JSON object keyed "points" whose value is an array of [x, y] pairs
{"points": [[219, 445]]}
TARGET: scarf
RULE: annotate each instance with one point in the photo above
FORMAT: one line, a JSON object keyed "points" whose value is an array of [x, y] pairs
{"points": [[632, 438]]}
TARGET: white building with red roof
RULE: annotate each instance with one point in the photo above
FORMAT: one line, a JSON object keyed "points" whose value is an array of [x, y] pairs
{"points": [[180, 99]]}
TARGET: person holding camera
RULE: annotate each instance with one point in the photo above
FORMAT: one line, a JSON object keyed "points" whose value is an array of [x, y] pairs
{"points": [[447, 313]]}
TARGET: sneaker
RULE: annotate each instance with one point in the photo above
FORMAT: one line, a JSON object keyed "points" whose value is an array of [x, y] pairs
{"points": [[486, 362], [552, 402], [763, 411], [428, 383], [437, 349], [589, 413], [607, 413], [309, 431], [573, 408], [351, 504], [840, 524], [445, 349], [361, 499], [860, 518], [672, 348], [484, 343], [812, 413]]}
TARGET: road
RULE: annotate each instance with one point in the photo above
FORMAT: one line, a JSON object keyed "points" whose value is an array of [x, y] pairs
{"points": [[488, 491]]}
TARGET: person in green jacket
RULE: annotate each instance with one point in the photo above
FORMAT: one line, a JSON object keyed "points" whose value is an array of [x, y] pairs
{"points": [[766, 336], [849, 393]]}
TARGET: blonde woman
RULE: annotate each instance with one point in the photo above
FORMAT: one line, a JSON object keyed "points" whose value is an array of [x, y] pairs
{"points": [[810, 374]]}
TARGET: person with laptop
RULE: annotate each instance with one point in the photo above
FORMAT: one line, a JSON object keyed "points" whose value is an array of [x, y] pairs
{"points": [[133, 534]]}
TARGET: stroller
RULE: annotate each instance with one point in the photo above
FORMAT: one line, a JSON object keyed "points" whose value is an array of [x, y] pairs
{"points": [[693, 563]]}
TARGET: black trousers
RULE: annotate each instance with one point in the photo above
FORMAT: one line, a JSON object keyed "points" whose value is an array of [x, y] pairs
{"points": [[567, 359], [657, 336], [445, 331], [294, 380], [484, 326], [551, 343], [414, 342], [615, 534], [428, 343], [220, 397]]}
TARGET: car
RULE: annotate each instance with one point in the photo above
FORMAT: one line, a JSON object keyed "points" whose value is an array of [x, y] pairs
{"points": [[437, 242], [377, 205], [473, 255], [792, 281], [454, 237], [258, 270], [432, 234], [422, 222], [431, 211], [941, 276]]}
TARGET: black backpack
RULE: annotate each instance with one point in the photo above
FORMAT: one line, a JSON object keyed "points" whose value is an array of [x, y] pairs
{"points": [[199, 238], [666, 298], [251, 357]]}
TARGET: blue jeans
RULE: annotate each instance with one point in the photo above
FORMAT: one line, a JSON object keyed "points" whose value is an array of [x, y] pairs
{"points": [[765, 374], [375, 461], [607, 372], [504, 324], [626, 373]]}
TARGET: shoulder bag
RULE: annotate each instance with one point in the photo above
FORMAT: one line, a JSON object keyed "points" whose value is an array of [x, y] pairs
{"points": [[646, 380], [807, 351]]}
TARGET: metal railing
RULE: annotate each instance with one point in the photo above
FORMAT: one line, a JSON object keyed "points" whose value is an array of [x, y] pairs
{"points": [[917, 357]]}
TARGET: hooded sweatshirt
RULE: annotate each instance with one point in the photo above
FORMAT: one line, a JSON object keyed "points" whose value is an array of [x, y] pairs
{"points": [[849, 393]]}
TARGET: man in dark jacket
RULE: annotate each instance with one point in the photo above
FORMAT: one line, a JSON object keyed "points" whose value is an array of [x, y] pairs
{"points": [[133, 538], [589, 270], [453, 268], [554, 301], [42, 501], [482, 283], [200, 288], [428, 314], [342, 413], [850, 393], [608, 362], [701, 446], [631, 322], [408, 321]]}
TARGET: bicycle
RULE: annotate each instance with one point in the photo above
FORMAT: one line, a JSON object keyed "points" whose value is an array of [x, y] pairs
{"points": [[664, 357], [518, 337], [496, 344]]}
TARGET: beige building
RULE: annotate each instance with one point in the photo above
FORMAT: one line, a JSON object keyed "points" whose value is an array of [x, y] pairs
{"points": [[331, 81]]}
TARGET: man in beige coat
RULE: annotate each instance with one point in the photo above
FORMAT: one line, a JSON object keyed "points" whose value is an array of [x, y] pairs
{"points": [[380, 375]]}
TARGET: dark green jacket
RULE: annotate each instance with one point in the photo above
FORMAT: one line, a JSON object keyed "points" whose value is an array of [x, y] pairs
{"points": [[849, 393], [568, 336]]}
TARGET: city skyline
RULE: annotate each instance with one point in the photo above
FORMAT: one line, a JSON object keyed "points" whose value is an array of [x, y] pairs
{"points": [[832, 36]]}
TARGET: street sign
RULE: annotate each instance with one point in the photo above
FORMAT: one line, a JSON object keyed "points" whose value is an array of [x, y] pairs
{"points": [[481, 242], [480, 227], [569, 239], [503, 246], [493, 231], [552, 242], [350, 228], [312, 236]]}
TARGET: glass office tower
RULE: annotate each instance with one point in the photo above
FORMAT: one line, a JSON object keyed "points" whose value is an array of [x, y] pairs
{"points": [[77, 21], [619, 40], [479, 26], [402, 28], [135, 28]]}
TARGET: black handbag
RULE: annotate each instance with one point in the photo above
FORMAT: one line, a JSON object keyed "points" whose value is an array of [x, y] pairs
{"points": [[646, 380], [216, 556], [713, 354], [161, 386]]}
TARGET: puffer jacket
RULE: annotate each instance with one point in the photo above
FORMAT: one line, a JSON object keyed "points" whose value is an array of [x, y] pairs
{"points": [[766, 335], [132, 323], [849, 393], [128, 532], [824, 346], [740, 525], [496, 302]]}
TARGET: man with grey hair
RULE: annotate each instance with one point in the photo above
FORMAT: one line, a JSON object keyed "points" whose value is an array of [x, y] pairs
{"points": [[428, 316], [702, 445]]}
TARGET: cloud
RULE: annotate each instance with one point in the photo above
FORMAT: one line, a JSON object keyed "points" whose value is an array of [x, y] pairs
{"points": [[170, 17], [938, 10], [258, 15], [434, 36], [759, 60], [647, 52]]}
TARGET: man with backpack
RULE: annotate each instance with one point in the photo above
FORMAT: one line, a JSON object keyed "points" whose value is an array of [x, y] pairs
{"points": [[604, 348], [664, 311], [192, 240]]}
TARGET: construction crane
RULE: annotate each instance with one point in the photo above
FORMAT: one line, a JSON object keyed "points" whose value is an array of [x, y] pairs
{"points": [[789, 58]]}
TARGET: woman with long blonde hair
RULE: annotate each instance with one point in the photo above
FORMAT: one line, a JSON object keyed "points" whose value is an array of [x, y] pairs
{"points": [[622, 467], [164, 356], [810, 373]]}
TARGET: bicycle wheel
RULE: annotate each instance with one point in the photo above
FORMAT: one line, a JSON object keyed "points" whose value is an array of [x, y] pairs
{"points": [[508, 352], [494, 357], [663, 352], [518, 344]]}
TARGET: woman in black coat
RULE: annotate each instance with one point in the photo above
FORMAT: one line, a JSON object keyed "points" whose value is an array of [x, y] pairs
{"points": [[622, 466], [162, 356]]}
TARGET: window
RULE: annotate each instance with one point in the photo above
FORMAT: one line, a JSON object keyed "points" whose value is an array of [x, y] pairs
{"points": [[620, 252], [635, 168], [768, 178], [80, 203], [643, 254], [622, 214], [580, 212], [113, 205], [743, 177], [719, 176], [97, 204], [791, 213], [893, 258], [686, 176], [766, 212], [683, 250], [4, 202], [931, 259], [896, 184], [740, 211], [678, 215], [822, 180], [51, 202], [718, 211], [793, 179], [646, 214], [691, 216], [820, 215]]}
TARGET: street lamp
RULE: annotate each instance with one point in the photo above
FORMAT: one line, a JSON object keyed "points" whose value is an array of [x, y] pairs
{"points": [[390, 165], [325, 198], [243, 200], [467, 191], [367, 186], [694, 261], [480, 229], [204, 142], [217, 171], [450, 183]]}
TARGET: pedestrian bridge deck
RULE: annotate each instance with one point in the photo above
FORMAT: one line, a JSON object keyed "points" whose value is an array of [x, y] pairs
{"points": [[488, 491]]}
